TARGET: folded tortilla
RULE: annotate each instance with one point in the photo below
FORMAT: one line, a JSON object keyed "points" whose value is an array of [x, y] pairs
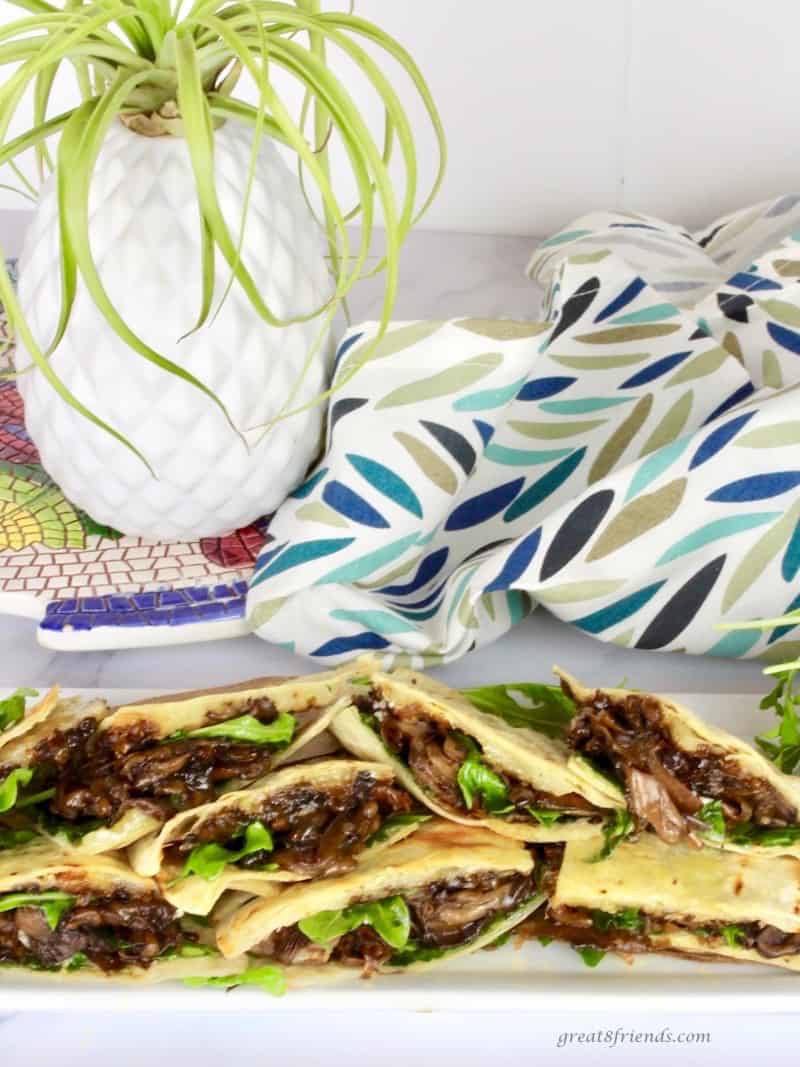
{"points": [[648, 896], [321, 817], [683, 778], [117, 776], [426, 755], [444, 891], [34, 714], [67, 914]]}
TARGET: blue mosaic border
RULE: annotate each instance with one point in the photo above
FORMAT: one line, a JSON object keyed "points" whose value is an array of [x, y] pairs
{"points": [[167, 607]]}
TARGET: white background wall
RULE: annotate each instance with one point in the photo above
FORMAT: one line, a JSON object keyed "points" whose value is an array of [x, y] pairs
{"points": [[679, 107]]}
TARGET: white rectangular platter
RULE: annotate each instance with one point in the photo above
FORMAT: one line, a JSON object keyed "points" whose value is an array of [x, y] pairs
{"points": [[529, 979]]}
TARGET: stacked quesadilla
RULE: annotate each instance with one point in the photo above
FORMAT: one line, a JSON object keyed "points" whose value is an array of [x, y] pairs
{"points": [[684, 779], [648, 896], [472, 767], [203, 835], [101, 780]]}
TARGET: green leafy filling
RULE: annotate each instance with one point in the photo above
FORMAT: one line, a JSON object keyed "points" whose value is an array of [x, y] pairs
{"points": [[270, 979], [475, 779], [248, 729], [544, 708], [591, 956], [748, 834], [14, 838], [389, 918], [543, 816], [626, 919], [209, 861], [781, 744], [392, 824], [189, 951], [72, 831], [711, 815], [744, 833], [11, 785], [13, 708], [615, 830], [53, 903], [733, 935]]}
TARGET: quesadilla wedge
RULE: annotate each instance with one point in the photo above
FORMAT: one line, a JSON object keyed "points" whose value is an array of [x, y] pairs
{"points": [[66, 913], [33, 756], [310, 820], [684, 779], [444, 891], [105, 779], [648, 896], [473, 767], [17, 719]]}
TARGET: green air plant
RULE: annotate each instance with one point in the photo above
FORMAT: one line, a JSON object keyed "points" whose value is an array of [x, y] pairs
{"points": [[186, 70]]}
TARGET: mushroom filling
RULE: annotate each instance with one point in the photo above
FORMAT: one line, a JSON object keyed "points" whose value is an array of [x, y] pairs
{"points": [[667, 787], [434, 919], [55, 929], [84, 777], [444, 762], [311, 831]]}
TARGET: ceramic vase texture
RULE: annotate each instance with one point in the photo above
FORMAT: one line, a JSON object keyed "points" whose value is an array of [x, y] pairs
{"points": [[145, 237]]}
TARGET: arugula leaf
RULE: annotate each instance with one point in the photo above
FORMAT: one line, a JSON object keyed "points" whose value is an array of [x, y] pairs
{"points": [[414, 953], [76, 962], [781, 744], [270, 979], [36, 798], [733, 935], [535, 706], [371, 720], [12, 838], [188, 951], [247, 728], [389, 918], [13, 708], [711, 815], [209, 861], [53, 903], [474, 778], [543, 816], [614, 831], [626, 919], [544, 940], [9, 789], [590, 956], [394, 822], [503, 939], [73, 831], [748, 834]]}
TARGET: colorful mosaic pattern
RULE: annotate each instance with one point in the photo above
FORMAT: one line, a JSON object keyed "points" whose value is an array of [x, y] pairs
{"points": [[630, 464], [83, 576]]}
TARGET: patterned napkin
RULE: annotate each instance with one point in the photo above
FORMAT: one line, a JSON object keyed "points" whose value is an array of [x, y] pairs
{"points": [[631, 463]]}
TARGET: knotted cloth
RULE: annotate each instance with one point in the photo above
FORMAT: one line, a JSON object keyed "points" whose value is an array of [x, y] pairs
{"points": [[631, 463]]}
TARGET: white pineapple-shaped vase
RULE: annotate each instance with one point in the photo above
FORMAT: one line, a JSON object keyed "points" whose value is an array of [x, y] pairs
{"points": [[145, 238]]}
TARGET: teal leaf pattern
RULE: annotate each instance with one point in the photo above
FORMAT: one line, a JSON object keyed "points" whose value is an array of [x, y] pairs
{"points": [[714, 531], [387, 482], [628, 463]]}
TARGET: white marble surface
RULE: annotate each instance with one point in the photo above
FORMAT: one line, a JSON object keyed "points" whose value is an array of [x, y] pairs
{"points": [[444, 275]]}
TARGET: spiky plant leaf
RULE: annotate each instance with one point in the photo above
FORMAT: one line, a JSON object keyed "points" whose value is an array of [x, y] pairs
{"points": [[174, 68]]}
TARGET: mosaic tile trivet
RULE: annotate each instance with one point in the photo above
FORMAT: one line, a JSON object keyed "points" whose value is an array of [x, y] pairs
{"points": [[90, 586]]}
